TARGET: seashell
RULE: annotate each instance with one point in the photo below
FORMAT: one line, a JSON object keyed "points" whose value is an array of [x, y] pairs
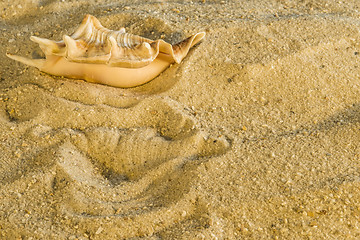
{"points": [[99, 55]]}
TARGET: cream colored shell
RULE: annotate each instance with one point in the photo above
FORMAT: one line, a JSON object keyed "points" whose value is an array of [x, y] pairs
{"points": [[116, 58]]}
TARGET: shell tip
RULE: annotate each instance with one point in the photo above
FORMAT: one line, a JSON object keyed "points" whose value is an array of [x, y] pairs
{"points": [[38, 63]]}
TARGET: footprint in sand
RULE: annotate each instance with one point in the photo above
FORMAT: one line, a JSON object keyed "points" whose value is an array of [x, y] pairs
{"points": [[133, 165]]}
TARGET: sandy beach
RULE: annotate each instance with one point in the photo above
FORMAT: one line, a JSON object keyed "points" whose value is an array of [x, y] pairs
{"points": [[254, 135]]}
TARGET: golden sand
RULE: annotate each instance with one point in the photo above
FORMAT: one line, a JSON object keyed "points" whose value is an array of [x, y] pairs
{"points": [[255, 135]]}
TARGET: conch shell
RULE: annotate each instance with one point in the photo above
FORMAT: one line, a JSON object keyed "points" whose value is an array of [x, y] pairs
{"points": [[99, 55]]}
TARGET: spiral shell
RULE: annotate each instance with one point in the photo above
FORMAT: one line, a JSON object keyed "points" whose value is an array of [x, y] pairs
{"points": [[100, 55]]}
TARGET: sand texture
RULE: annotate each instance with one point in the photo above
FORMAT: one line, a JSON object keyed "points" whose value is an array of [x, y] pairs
{"points": [[255, 135]]}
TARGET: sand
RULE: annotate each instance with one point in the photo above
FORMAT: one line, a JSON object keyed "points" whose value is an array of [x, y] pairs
{"points": [[255, 135]]}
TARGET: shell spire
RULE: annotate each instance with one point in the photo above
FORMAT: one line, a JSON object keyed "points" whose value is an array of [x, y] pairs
{"points": [[93, 48]]}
